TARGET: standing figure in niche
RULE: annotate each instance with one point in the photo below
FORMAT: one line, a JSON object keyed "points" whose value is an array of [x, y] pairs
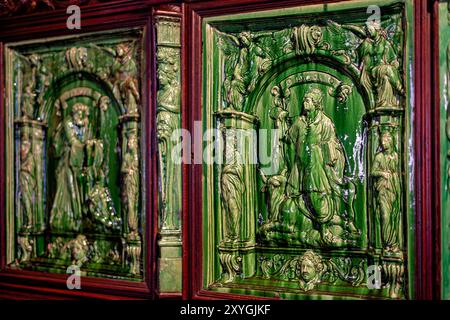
{"points": [[27, 181], [69, 143], [168, 120], [130, 172], [232, 185], [316, 180], [387, 193]]}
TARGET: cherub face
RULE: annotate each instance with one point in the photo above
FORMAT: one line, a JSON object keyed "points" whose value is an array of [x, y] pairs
{"points": [[307, 270]]}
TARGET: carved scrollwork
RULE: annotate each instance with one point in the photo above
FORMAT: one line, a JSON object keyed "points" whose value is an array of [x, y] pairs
{"points": [[394, 278], [310, 270], [77, 58], [308, 38], [231, 266]]}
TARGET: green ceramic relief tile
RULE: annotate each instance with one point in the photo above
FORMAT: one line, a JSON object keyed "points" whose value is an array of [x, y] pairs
{"points": [[312, 191], [73, 150]]}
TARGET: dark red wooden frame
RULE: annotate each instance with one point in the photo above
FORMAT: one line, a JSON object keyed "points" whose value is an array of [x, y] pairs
{"points": [[97, 17], [427, 278]]}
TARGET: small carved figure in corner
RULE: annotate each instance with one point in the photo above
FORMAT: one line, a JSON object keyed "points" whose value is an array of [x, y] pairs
{"points": [[27, 182], [378, 62], [130, 172], [123, 73], [232, 185], [387, 193]]}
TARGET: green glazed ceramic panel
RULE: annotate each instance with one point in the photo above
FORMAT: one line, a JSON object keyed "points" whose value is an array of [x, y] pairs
{"points": [[444, 62], [307, 185], [73, 150]]}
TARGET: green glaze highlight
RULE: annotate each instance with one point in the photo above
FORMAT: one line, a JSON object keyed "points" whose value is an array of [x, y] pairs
{"points": [[333, 199]]}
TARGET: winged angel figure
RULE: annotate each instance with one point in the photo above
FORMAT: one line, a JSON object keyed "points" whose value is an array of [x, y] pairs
{"points": [[379, 62], [248, 55]]}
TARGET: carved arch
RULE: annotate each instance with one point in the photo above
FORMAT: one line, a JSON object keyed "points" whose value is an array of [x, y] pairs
{"points": [[56, 91], [321, 57]]}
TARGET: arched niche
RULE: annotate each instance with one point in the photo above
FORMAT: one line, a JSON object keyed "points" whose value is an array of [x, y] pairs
{"points": [[345, 103], [87, 89]]}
